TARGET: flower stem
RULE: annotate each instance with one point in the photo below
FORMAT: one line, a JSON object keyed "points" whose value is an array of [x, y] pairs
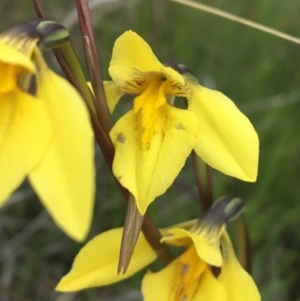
{"points": [[203, 175], [92, 59], [99, 113], [38, 9], [72, 62], [244, 248]]}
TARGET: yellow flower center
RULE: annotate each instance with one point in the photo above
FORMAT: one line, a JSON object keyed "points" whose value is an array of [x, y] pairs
{"points": [[150, 106], [150, 112], [191, 268]]}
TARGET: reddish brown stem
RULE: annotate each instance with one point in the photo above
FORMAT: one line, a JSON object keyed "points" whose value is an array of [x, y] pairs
{"points": [[38, 9], [93, 64]]}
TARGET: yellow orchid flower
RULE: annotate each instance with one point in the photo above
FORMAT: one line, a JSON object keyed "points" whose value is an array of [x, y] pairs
{"points": [[45, 136], [153, 139], [189, 277]]}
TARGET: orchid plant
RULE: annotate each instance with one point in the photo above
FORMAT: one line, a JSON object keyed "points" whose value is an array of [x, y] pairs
{"points": [[47, 136]]}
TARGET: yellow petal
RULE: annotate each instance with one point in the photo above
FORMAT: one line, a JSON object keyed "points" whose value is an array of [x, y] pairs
{"points": [[237, 282], [227, 140], [168, 285], [160, 285], [207, 246], [112, 94], [25, 134], [96, 263], [210, 289], [133, 64], [132, 53], [65, 180], [12, 64], [150, 155], [184, 225], [11, 56], [20, 40]]}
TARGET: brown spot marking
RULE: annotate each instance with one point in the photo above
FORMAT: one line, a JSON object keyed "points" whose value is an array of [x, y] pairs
{"points": [[176, 85], [140, 82], [121, 138], [185, 268], [130, 84], [179, 126]]}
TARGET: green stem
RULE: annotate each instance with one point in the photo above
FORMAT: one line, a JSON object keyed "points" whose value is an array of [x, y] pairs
{"points": [[70, 57], [243, 242], [203, 176]]}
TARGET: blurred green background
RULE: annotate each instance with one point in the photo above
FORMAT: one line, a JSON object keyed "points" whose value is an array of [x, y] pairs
{"points": [[258, 71]]}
